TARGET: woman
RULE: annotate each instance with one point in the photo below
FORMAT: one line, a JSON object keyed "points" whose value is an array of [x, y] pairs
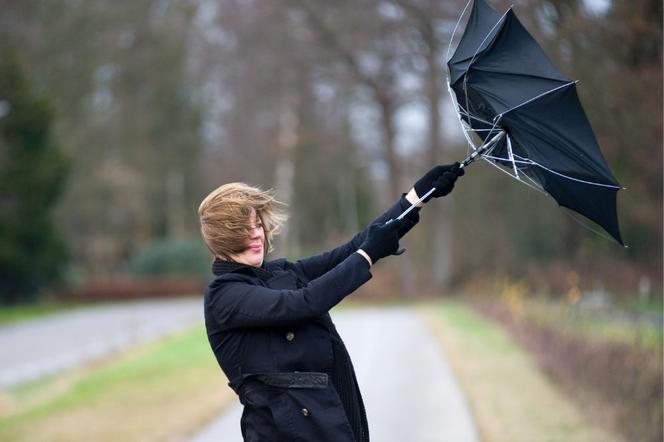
{"points": [[268, 322]]}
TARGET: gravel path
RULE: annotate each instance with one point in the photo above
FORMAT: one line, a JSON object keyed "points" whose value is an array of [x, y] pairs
{"points": [[409, 390], [43, 346]]}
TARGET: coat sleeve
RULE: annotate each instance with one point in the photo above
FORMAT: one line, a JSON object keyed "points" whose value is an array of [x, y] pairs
{"points": [[238, 304], [314, 266]]}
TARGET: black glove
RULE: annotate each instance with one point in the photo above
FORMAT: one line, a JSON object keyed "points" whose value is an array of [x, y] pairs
{"points": [[382, 240], [440, 177]]}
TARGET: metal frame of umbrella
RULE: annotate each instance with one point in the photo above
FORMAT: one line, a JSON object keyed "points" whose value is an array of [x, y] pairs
{"points": [[502, 102]]}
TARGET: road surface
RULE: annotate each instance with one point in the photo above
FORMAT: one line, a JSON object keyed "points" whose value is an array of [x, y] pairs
{"points": [[47, 345], [409, 390]]}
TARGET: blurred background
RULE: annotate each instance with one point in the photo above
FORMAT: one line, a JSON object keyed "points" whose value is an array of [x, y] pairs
{"points": [[118, 118]]}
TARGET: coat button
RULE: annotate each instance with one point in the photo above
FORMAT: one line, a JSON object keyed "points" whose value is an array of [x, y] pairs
{"points": [[305, 412], [290, 336]]}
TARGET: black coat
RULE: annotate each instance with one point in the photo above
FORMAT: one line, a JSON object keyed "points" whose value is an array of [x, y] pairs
{"points": [[273, 337]]}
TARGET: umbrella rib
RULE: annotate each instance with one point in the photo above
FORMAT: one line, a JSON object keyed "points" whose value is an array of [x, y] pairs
{"points": [[486, 147], [511, 155], [449, 86], [458, 106], [570, 212], [516, 177], [466, 113], [535, 163], [449, 46], [493, 142], [489, 144], [539, 96], [472, 60], [452, 95], [537, 188], [535, 184]]}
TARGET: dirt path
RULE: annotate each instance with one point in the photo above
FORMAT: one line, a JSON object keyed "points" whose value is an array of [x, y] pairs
{"points": [[409, 390]]}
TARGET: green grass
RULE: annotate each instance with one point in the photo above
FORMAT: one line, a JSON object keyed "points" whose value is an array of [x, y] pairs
{"points": [[652, 305], [9, 314], [144, 370], [151, 390], [510, 398], [610, 326]]}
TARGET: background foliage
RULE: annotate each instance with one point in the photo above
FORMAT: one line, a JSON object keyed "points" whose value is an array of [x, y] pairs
{"points": [[339, 106], [32, 175]]}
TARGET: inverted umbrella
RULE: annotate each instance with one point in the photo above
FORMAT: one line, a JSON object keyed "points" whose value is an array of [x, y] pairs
{"points": [[527, 116]]}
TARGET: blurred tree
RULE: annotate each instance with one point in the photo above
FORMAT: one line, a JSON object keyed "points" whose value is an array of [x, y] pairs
{"points": [[32, 175], [364, 39], [159, 101], [616, 53], [279, 117], [127, 114], [427, 28], [393, 51]]}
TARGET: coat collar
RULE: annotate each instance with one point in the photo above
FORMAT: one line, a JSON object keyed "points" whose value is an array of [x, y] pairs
{"points": [[220, 267]]}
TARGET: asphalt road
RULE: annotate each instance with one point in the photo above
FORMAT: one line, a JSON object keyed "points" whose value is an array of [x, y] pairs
{"points": [[47, 345], [409, 390]]}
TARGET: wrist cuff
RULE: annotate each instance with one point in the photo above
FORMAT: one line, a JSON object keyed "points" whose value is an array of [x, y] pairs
{"points": [[413, 215]]}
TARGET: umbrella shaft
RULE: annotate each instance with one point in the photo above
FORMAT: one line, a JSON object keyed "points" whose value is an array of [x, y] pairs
{"points": [[483, 148], [412, 206], [465, 162]]}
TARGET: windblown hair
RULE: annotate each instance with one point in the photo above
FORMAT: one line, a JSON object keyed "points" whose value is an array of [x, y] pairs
{"points": [[225, 217]]}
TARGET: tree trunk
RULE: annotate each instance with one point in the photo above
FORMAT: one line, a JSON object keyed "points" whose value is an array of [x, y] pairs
{"points": [[287, 140], [439, 228], [387, 109]]}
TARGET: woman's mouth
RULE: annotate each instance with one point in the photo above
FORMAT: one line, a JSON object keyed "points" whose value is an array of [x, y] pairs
{"points": [[256, 247]]}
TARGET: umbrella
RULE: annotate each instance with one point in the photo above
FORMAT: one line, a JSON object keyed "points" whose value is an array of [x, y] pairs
{"points": [[527, 117]]}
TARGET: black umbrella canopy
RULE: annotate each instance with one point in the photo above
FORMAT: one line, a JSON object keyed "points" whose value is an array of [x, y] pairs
{"points": [[503, 81]]}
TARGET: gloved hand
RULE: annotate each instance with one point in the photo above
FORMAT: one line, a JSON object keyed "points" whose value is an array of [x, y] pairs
{"points": [[382, 240], [440, 177]]}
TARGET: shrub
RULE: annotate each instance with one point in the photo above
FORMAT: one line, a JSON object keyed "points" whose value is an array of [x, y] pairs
{"points": [[619, 383], [172, 257]]}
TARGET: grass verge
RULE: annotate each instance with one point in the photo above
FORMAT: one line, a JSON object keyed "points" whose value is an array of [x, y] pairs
{"points": [[510, 397], [10, 314], [609, 364], [605, 326], [163, 390]]}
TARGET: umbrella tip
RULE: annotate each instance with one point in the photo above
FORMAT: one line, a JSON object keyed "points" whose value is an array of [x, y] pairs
{"points": [[624, 188]]}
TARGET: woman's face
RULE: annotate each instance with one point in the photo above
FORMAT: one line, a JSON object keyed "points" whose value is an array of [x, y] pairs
{"points": [[254, 253]]}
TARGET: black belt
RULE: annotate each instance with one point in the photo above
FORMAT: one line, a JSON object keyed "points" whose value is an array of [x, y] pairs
{"points": [[294, 379]]}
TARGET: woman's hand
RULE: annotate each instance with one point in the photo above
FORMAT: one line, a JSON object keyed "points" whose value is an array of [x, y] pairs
{"points": [[441, 177], [382, 240]]}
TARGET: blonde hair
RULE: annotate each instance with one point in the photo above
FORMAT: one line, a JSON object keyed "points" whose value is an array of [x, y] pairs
{"points": [[225, 214]]}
